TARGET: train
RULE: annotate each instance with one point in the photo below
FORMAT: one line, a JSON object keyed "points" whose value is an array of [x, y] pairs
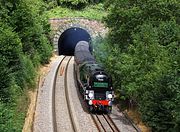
{"points": [[94, 83]]}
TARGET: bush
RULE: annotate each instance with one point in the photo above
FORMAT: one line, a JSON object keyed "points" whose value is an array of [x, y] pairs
{"points": [[94, 12], [153, 63], [11, 120], [10, 57], [143, 58], [33, 31], [125, 16], [23, 46], [77, 4]]}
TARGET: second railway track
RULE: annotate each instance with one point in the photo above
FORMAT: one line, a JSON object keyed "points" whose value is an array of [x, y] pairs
{"points": [[63, 118], [104, 123]]}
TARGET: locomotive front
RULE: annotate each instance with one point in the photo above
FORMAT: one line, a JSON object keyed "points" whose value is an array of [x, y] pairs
{"points": [[99, 91], [94, 83]]}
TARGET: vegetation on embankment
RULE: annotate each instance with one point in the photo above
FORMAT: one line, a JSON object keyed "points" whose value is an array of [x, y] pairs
{"points": [[90, 11], [24, 45], [94, 12], [142, 53]]}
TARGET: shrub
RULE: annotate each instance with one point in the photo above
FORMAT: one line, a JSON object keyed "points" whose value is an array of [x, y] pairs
{"points": [[78, 4], [33, 31], [10, 57], [143, 57], [125, 16], [23, 46]]}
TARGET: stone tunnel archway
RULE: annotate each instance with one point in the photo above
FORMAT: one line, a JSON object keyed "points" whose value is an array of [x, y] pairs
{"points": [[61, 25], [69, 38]]}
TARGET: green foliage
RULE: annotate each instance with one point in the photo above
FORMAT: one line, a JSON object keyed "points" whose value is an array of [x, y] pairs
{"points": [[11, 120], [74, 2], [153, 63], [24, 44], [10, 69], [95, 12], [125, 16], [45, 50], [143, 58], [10, 54], [27, 73], [32, 32]]}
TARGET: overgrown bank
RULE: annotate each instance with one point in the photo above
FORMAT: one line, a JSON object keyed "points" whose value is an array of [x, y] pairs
{"points": [[91, 11], [142, 54], [24, 45]]}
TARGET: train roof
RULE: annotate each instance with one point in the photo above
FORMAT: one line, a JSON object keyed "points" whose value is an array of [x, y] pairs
{"points": [[82, 46], [82, 53]]}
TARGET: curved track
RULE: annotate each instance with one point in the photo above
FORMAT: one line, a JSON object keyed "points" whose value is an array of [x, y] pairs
{"points": [[63, 118], [58, 109]]}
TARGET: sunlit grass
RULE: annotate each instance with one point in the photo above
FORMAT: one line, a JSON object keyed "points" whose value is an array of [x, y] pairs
{"points": [[95, 12]]}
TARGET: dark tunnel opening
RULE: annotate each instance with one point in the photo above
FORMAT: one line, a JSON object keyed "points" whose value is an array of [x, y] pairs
{"points": [[69, 38]]}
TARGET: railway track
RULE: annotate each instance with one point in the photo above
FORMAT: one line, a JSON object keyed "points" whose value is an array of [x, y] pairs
{"points": [[56, 112], [104, 123], [61, 94], [63, 118]]}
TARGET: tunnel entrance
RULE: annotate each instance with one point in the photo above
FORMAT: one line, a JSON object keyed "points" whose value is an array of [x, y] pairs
{"points": [[69, 38]]}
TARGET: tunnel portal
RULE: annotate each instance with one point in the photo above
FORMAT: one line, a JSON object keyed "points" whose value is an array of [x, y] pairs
{"points": [[69, 38]]}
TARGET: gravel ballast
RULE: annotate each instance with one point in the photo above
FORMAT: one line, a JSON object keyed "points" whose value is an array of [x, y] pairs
{"points": [[83, 118], [43, 119]]}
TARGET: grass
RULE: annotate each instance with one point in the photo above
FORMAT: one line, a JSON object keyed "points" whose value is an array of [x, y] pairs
{"points": [[12, 114], [95, 12]]}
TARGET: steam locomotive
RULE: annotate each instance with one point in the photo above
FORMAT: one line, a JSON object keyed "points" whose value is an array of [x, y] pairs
{"points": [[94, 83]]}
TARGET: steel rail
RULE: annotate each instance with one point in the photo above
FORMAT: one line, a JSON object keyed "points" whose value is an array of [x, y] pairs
{"points": [[102, 127], [73, 124], [68, 98], [94, 118], [108, 123], [53, 99], [111, 123], [100, 122]]}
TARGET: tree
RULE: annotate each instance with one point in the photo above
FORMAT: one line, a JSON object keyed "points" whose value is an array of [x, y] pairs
{"points": [[23, 46], [143, 57], [125, 16], [10, 57]]}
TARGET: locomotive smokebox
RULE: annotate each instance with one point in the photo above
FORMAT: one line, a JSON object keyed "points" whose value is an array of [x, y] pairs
{"points": [[69, 38]]}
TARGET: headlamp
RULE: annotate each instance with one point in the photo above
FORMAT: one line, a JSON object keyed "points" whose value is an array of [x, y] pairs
{"points": [[110, 96], [91, 95]]}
